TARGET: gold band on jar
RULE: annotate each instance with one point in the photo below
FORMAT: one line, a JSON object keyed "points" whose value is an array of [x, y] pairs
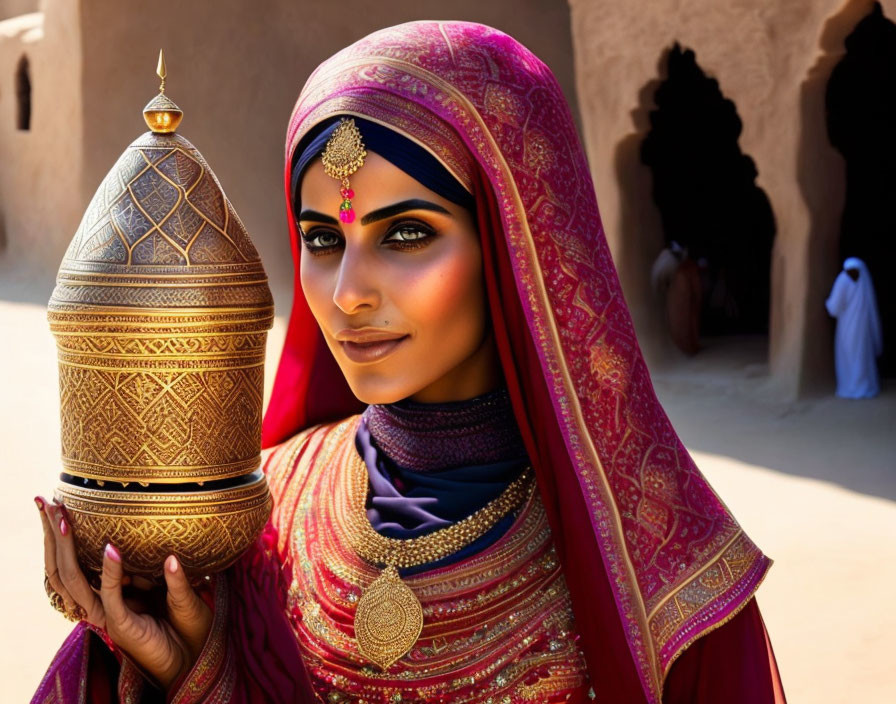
{"points": [[147, 526], [160, 397]]}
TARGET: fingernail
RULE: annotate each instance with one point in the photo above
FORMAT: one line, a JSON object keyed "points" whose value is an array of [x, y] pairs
{"points": [[171, 564], [112, 553], [63, 527], [40, 503]]}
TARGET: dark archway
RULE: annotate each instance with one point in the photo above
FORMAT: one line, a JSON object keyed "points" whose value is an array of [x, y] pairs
{"points": [[23, 95], [705, 189], [861, 119]]}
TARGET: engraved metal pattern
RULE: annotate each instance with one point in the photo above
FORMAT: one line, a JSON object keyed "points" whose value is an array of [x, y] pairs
{"points": [[159, 406], [160, 312], [161, 102], [388, 621], [161, 205], [206, 530], [158, 297]]}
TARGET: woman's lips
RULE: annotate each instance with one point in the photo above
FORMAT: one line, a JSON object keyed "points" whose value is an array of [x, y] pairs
{"points": [[369, 347]]}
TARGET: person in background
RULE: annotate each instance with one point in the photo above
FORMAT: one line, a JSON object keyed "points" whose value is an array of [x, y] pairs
{"points": [[676, 277], [858, 341]]}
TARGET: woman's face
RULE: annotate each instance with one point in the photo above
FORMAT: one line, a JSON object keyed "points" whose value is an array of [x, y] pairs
{"points": [[398, 293]]}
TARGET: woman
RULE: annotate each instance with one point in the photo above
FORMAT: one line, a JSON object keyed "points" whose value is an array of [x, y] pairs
{"points": [[512, 518]]}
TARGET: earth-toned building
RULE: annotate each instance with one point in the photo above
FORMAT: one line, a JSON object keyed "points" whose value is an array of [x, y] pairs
{"points": [[712, 122]]}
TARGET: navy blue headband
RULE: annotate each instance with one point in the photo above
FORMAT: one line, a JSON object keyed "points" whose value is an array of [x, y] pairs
{"points": [[408, 156]]}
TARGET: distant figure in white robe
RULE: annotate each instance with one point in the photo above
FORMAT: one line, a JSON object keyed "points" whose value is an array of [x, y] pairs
{"points": [[858, 342]]}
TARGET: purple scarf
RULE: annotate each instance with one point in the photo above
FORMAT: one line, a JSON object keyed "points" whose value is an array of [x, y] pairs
{"points": [[431, 465]]}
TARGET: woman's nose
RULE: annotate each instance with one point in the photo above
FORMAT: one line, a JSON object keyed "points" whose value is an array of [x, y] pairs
{"points": [[356, 283]]}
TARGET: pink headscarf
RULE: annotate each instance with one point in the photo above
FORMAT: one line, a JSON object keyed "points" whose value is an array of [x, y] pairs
{"points": [[652, 557]]}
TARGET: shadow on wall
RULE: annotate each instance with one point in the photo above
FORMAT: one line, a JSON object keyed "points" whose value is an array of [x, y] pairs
{"points": [[641, 233]]}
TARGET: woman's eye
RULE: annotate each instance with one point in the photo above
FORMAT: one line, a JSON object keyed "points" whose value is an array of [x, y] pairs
{"points": [[413, 235], [321, 240]]}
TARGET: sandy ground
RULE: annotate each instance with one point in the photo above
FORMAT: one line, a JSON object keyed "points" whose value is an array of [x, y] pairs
{"points": [[814, 483]]}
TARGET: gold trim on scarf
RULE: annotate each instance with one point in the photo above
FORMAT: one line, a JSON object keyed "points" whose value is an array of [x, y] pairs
{"points": [[549, 319], [586, 454]]}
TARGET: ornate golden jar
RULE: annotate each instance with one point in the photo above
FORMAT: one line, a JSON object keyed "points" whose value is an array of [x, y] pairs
{"points": [[160, 313]]}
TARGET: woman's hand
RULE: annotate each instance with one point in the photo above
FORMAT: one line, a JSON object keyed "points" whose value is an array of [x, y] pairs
{"points": [[165, 645]]}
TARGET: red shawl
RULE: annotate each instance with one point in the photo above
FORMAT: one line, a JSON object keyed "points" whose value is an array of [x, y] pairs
{"points": [[652, 557]]}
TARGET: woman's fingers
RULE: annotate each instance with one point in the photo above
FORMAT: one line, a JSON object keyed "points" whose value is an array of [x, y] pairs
{"points": [[144, 638], [188, 613], [118, 616], [127, 628], [70, 573], [50, 552]]}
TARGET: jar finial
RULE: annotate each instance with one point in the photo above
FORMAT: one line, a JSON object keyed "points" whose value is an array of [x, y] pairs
{"points": [[161, 114]]}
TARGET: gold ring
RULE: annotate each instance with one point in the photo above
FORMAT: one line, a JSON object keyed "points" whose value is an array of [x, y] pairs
{"points": [[76, 613]]}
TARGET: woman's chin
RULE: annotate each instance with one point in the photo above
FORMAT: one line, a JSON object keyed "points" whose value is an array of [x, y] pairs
{"points": [[381, 391]]}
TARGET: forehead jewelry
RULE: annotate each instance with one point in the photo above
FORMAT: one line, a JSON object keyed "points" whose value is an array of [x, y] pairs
{"points": [[343, 156]]}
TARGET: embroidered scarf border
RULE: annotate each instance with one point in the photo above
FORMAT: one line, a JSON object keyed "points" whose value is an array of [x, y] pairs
{"points": [[641, 486]]}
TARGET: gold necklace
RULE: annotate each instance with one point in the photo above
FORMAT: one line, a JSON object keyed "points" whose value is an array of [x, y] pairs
{"points": [[389, 617]]}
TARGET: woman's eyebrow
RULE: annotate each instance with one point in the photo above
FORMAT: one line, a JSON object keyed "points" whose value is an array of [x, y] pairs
{"points": [[317, 217], [396, 208]]}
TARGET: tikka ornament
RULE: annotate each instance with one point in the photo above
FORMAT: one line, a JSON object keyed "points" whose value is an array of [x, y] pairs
{"points": [[342, 157]]}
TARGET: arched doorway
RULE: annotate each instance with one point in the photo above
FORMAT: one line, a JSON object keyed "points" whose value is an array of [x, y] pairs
{"points": [[705, 190], [861, 120]]}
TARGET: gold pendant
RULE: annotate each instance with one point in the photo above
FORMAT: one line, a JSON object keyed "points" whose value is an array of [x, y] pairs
{"points": [[388, 621]]}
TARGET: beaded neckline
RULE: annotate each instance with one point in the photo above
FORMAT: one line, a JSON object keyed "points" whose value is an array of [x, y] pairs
{"points": [[428, 437]]}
